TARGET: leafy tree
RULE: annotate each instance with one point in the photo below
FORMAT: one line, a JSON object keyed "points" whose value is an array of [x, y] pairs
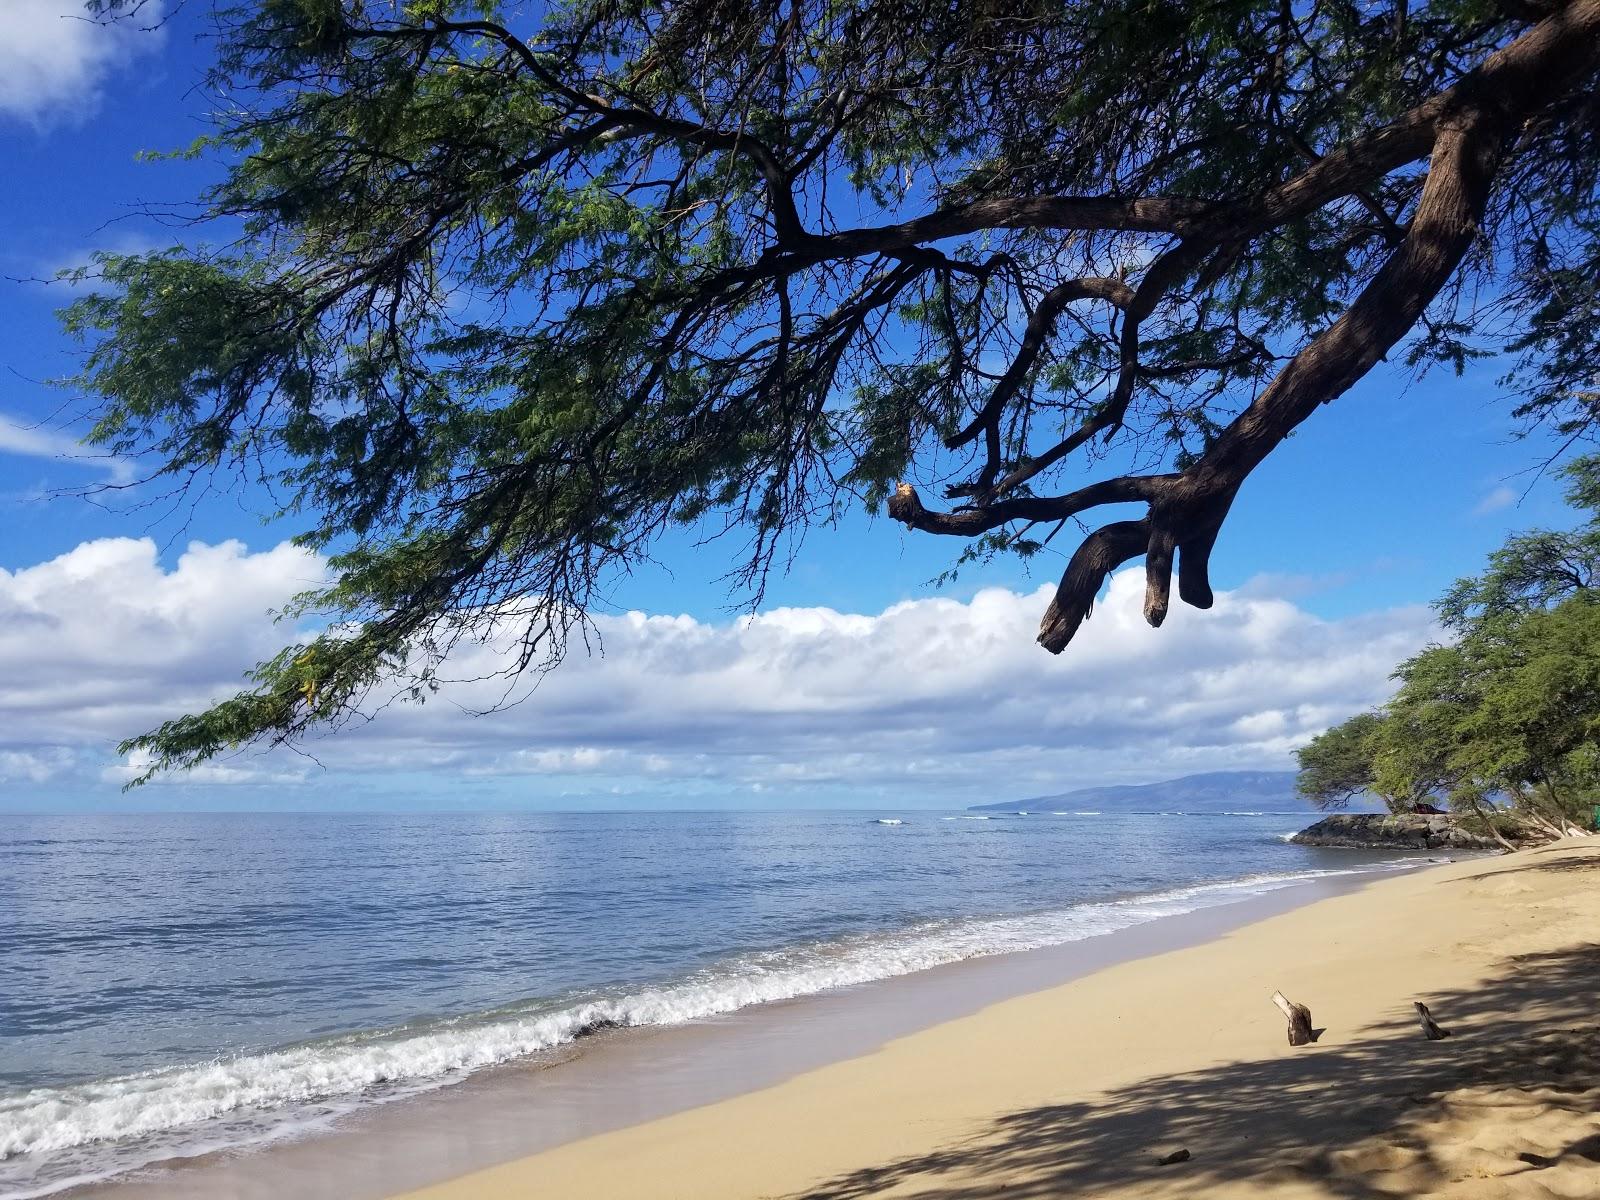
{"points": [[1338, 764], [1536, 569], [513, 288], [1383, 753], [1535, 725], [1512, 709], [1409, 760]]}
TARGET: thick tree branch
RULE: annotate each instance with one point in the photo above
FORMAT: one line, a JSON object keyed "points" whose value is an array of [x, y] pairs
{"points": [[688, 314], [1473, 133], [906, 506], [1101, 553]]}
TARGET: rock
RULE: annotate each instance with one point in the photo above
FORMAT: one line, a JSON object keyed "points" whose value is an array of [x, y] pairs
{"points": [[1384, 831], [1177, 1156]]}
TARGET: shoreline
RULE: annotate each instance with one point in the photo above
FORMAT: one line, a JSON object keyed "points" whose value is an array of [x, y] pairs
{"points": [[592, 1088], [1079, 1089]]}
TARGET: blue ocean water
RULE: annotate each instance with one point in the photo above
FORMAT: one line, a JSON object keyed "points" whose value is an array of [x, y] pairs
{"points": [[176, 982]]}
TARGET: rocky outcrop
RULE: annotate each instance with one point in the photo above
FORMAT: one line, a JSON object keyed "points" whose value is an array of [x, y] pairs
{"points": [[1382, 831]]}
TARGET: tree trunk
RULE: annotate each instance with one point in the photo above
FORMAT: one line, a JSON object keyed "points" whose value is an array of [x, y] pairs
{"points": [[1543, 822], [1488, 821], [1528, 807]]}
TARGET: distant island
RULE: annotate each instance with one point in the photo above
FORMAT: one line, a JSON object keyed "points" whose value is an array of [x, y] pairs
{"points": [[1211, 792]]}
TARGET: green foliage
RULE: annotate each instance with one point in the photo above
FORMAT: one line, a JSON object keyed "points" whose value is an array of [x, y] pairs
{"points": [[1534, 570], [1339, 764], [1513, 709], [510, 289], [1508, 712]]}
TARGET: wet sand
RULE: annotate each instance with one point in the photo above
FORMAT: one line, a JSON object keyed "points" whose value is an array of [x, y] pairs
{"points": [[628, 1078], [1082, 1088]]}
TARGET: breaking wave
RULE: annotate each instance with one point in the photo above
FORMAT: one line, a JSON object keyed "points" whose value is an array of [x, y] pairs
{"points": [[52, 1138]]}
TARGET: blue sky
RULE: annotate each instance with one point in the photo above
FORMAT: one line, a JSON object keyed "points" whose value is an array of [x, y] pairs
{"points": [[1367, 513]]}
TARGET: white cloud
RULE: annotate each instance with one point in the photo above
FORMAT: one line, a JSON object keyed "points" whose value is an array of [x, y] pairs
{"points": [[223, 774], [1494, 501], [96, 643], [32, 440], [34, 766], [932, 699], [55, 58], [62, 276]]}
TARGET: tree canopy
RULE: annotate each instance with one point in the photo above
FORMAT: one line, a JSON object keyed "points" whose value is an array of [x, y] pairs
{"points": [[506, 290], [1512, 710], [1339, 764], [1535, 569], [1508, 712]]}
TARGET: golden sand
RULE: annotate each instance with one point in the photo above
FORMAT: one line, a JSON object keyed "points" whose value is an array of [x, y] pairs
{"points": [[1079, 1091]]}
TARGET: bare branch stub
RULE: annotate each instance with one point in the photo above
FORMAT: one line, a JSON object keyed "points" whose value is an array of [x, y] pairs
{"points": [[1301, 1032], [1431, 1029]]}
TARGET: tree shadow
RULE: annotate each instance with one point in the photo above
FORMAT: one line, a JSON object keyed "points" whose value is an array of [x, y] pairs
{"points": [[1572, 863], [1288, 1119]]}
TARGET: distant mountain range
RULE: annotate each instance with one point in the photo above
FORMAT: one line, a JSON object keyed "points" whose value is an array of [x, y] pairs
{"points": [[1215, 791]]}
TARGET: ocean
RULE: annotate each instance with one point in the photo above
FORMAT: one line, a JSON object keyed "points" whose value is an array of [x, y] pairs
{"points": [[172, 984]]}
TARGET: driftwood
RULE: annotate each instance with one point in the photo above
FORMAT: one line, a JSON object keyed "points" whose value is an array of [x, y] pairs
{"points": [[1430, 1028], [1299, 1018]]}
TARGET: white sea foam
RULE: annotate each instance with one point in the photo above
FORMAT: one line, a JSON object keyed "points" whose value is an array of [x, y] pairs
{"points": [[169, 1113], [887, 821]]}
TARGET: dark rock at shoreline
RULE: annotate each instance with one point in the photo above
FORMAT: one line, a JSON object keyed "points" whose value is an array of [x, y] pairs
{"points": [[1383, 831]]}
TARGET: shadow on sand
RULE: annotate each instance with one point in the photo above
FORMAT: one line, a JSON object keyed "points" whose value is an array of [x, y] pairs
{"points": [[1270, 1123]]}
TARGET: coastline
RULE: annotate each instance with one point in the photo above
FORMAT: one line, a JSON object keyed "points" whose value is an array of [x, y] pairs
{"points": [[1080, 1088], [581, 1090]]}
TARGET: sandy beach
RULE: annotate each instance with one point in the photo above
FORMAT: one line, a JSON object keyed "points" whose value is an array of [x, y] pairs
{"points": [[1081, 1089]]}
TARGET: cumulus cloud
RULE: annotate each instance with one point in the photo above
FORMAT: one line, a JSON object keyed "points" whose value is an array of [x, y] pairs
{"points": [[55, 58], [933, 699], [34, 766], [95, 643]]}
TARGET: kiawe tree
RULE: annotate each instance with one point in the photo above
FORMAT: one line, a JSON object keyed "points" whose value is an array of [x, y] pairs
{"points": [[1507, 713], [1339, 764], [1536, 569], [506, 290], [1511, 710], [1360, 756]]}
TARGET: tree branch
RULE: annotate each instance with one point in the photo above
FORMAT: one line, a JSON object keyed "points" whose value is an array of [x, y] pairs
{"points": [[1041, 323], [1466, 154]]}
